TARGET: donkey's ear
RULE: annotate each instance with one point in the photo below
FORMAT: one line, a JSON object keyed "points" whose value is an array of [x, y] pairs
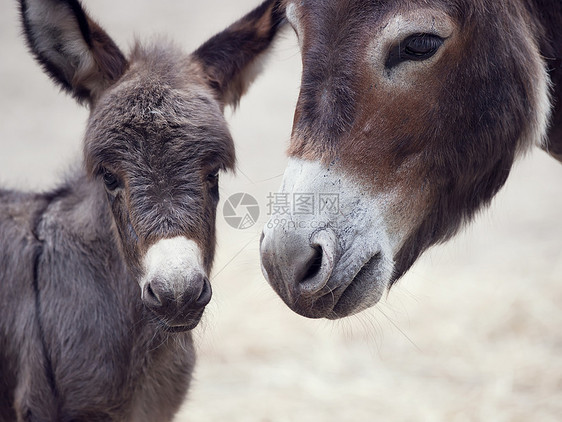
{"points": [[230, 58], [72, 49]]}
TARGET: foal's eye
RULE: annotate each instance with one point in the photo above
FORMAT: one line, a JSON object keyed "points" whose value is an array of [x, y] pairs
{"points": [[213, 184], [416, 47], [213, 178], [110, 180]]}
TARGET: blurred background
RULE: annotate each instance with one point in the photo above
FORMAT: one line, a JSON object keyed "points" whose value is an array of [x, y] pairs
{"points": [[472, 333]]}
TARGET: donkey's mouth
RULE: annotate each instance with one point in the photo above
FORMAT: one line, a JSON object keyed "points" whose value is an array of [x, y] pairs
{"points": [[346, 297], [179, 324], [364, 290], [179, 328]]}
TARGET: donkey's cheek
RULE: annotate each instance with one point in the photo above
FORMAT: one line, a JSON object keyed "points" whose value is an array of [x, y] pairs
{"points": [[129, 244]]}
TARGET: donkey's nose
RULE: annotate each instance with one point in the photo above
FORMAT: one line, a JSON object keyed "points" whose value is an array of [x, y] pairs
{"points": [[166, 299], [174, 284], [299, 267]]}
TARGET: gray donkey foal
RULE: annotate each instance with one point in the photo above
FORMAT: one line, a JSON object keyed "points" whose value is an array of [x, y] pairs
{"points": [[102, 279]]}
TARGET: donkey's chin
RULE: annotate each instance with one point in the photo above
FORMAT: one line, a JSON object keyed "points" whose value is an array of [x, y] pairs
{"points": [[364, 291], [181, 324]]}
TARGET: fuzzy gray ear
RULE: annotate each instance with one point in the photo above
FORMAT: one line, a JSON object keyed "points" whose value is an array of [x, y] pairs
{"points": [[72, 49], [231, 58]]}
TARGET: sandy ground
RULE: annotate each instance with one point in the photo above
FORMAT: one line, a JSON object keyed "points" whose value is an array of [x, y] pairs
{"points": [[472, 333]]}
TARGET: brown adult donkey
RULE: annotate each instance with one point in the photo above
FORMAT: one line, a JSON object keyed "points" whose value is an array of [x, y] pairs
{"points": [[102, 279], [410, 116]]}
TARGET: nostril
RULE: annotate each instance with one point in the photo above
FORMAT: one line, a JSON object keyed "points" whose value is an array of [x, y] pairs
{"points": [[313, 266], [206, 293], [150, 297]]}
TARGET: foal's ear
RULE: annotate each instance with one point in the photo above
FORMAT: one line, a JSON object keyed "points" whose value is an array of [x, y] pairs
{"points": [[230, 58], [72, 49]]}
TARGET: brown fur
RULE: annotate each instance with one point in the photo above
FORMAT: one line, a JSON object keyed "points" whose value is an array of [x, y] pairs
{"points": [[440, 139], [384, 135]]}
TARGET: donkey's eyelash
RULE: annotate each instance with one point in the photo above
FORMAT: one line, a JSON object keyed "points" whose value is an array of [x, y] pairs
{"points": [[416, 47]]}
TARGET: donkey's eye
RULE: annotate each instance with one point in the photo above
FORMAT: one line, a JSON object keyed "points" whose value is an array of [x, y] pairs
{"points": [[213, 178], [213, 183], [422, 46], [416, 47], [110, 180]]}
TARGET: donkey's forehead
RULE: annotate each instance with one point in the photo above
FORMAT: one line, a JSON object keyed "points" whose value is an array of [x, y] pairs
{"points": [[176, 97], [150, 111], [161, 81]]}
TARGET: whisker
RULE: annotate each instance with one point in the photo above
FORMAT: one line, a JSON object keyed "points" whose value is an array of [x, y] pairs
{"points": [[399, 329]]}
